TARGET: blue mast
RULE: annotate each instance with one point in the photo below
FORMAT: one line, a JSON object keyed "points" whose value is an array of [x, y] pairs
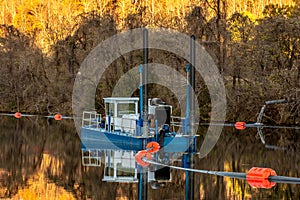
{"points": [[143, 176]]}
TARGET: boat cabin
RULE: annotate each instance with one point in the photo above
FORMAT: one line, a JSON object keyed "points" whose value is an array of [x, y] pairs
{"points": [[119, 106], [122, 114]]}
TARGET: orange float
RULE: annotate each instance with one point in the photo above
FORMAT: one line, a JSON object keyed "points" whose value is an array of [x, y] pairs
{"points": [[58, 117], [139, 158], [258, 177], [153, 147], [18, 115], [240, 125]]}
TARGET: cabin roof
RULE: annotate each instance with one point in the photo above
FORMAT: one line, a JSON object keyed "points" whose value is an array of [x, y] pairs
{"points": [[120, 99]]}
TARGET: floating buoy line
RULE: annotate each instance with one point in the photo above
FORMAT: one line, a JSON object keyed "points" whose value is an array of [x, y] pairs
{"points": [[257, 177], [244, 125], [258, 124], [18, 115]]}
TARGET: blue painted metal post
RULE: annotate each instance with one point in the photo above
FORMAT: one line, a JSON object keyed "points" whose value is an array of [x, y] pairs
{"points": [[141, 91], [140, 120], [141, 183], [188, 101], [156, 130], [186, 157], [186, 160]]}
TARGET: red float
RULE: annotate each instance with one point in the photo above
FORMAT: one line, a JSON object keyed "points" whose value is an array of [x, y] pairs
{"points": [[139, 158], [258, 177], [18, 115], [153, 147], [240, 125], [58, 117]]}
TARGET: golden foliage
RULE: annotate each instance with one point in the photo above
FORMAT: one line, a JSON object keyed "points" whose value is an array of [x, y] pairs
{"points": [[38, 187], [52, 20]]}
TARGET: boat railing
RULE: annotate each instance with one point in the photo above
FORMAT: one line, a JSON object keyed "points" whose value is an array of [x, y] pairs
{"points": [[124, 125], [182, 125], [91, 157], [91, 119], [176, 123]]}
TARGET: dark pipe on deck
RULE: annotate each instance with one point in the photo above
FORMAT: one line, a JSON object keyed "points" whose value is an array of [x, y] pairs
{"points": [[143, 176], [190, 176], [192, 83], [192, 60], [145, 77]]}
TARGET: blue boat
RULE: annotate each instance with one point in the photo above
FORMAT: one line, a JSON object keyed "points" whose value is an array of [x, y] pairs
{"points": [[119, 128], [114, 139]]}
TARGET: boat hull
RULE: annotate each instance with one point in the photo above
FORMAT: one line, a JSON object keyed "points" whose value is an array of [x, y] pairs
{"points": [[93, 138]]}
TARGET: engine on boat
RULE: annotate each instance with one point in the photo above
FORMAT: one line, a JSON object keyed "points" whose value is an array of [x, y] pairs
{"points": [[158, 110]]}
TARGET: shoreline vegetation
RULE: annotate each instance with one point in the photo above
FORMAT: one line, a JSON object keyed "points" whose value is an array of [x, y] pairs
{"points": [[255, 44]]}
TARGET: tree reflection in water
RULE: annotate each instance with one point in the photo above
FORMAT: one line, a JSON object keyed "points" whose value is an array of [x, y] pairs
{"points": [[42, 158]]}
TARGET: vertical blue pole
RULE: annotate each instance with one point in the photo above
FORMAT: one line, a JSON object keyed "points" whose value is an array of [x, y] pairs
{"points": [[187, 185], [186, 160], [141, 91], [188, 101], [140, 188], [186, 164], [140, 127], [156, 130], [140, 122]]}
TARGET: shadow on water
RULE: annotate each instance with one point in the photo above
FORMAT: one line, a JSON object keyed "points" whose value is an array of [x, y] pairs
{"points": [[42, 158]]}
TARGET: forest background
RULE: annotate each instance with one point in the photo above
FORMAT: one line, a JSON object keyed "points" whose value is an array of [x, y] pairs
{"points": [[255, 44]]}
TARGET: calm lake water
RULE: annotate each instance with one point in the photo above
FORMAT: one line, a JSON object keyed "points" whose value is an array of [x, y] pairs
{"points": [[41, 159]]}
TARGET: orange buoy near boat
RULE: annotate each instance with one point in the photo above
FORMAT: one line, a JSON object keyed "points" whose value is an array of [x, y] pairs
{"points": [[153, 147], [258, 177], [58, 117], [18, 115], [240, 125], [139, 158]]}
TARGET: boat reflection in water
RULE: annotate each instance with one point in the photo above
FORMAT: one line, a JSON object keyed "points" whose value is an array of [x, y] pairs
{"points": [[120, 166]]}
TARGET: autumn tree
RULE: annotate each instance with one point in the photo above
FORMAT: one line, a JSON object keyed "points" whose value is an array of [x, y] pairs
{"points": [[21, 80]]}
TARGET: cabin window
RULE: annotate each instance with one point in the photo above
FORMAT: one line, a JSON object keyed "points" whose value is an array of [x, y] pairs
{"points": [[121, 171], [109, 171], [125, 172], [125, 109], [109, 109]]}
